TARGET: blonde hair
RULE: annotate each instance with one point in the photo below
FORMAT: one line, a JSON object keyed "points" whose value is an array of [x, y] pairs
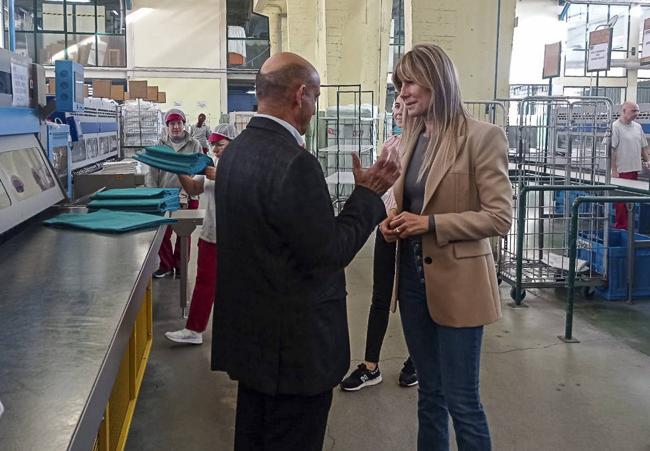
{"points": [[430, 67]]}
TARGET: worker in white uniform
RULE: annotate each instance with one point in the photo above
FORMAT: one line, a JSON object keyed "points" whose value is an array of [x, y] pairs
{"points": [[206, 271], [629, 149], [201, 132]]}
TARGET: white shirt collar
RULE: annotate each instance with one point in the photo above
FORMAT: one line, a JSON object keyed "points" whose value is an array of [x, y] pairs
{"points": [[293, 130]]}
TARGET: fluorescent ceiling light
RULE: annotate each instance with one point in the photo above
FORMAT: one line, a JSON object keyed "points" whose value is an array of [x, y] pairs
{"points": [[115, 13], [71, 1], [250, 91]]}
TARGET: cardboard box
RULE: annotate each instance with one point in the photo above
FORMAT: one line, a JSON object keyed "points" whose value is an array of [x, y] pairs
{"points": [[86, 90], [162, 97], [101, 88], [152, 93], [126, 96], [51, 86], [117, 92], [137, 89]]}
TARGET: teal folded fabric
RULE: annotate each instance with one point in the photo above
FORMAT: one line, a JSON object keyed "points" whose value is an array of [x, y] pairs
{"points": [[146, 200], [170, 203], [108, 221], [138, 193], [166, 159]]}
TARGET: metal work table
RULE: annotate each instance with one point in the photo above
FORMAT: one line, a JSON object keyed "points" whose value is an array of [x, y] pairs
{"points": [[68, 302]]}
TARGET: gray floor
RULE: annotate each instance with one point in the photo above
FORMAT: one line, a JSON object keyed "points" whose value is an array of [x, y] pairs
{"points": [[540, 394]]}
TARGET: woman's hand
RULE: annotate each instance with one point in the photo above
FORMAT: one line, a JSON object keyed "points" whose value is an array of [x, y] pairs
{"points": [[408, 224], [210, 172], [390, 149], [389, 234]]}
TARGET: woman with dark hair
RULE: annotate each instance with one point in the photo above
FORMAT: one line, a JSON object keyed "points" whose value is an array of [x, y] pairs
{"points": [[453, 195], [367, 373]]}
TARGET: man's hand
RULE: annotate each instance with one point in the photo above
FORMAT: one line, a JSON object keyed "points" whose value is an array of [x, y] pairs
{"points": [[210, 172], [378, 177], [408, 224], [614, 173], [390, 235]]}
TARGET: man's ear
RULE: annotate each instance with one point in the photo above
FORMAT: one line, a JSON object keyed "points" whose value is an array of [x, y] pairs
{"points": [[300, 93]]}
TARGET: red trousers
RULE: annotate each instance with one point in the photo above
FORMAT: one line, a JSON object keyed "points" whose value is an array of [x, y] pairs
{"points": [[620, 221], [171, 258], [205, 287]]}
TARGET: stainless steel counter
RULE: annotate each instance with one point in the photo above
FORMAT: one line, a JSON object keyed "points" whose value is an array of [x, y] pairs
{"points": [[68, 301]]}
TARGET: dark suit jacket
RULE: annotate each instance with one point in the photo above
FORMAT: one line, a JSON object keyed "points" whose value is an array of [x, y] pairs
{"points": [[280, 322]]}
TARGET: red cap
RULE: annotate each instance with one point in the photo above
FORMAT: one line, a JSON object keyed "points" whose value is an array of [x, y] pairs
{"points": [[174, 117], [216, 137]]}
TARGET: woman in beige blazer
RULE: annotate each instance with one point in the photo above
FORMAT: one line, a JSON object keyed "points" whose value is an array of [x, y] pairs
{"points": [[453, 195]]}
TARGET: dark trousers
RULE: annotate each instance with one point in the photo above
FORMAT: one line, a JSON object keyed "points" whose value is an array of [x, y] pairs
{"points": [[620, 218], [383, 273], [280, 422], [447, 360]]}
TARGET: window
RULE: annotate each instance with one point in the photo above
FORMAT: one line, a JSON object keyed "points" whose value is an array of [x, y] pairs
{"points": [[91, 32], [583, 19], [247, 35]]}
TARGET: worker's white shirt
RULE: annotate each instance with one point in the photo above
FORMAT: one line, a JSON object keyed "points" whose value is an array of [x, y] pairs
{"points": [[209, 229], [627, 142]]}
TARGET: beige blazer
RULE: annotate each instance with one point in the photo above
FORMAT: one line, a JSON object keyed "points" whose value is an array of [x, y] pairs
{"points": [[470, 196]]}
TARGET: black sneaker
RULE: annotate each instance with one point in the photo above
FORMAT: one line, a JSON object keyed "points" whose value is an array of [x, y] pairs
{"points": [[408, 376], [160, 273], [361, 377]]}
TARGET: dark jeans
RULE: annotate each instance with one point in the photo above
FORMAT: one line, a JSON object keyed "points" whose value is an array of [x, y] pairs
{"points": [[447, 361], [281, 422]]}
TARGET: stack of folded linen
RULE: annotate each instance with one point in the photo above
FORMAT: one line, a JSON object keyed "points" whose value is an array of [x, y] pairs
{"points": [[119, 167], [144, 200], [166, 159], [108, 221]]}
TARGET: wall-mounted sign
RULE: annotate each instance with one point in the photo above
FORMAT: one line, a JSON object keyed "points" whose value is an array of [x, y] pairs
{"points": [[599, 54], [645, 57], [552, 60]]}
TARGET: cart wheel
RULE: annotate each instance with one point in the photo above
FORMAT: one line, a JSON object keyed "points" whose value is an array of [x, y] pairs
{"points": [[588, 292], [513, 293]]}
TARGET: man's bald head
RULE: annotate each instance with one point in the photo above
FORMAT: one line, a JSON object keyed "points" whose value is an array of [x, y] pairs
{"points": [[281, 74], [629, 112]]}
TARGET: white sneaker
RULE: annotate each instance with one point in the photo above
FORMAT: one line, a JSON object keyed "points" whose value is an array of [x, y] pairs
{"points": [[185, 336]]}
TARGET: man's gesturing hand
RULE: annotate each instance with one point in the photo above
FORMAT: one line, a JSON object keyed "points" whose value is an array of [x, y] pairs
{"points": [[378, 177]]}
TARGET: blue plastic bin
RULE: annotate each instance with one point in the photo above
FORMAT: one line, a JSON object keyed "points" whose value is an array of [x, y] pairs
{"points": [[561, 204], [617, 264]]}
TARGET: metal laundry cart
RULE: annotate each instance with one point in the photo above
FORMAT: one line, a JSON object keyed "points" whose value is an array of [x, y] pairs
{"points": [[563, 151]]}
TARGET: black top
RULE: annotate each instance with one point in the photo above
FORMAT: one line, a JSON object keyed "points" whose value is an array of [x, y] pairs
{"points": [[414, 189], [280, 323]]}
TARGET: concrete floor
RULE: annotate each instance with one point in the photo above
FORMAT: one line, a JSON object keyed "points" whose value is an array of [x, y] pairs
{"points": [[540, 393]]}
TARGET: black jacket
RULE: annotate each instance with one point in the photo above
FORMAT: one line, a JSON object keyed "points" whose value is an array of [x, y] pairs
{"points": [[280, 321]]}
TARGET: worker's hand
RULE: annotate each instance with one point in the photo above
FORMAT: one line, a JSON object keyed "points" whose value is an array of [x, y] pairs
{"points": [[408, 224], [389, 234], [614, 173], [378, 177], [210, 172]]}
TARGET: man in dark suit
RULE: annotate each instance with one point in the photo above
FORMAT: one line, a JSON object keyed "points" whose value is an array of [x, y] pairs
{"points": [[280, 323]]}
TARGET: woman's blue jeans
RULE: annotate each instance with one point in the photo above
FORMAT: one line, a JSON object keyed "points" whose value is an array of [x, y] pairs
{"points": [[447, 360]]}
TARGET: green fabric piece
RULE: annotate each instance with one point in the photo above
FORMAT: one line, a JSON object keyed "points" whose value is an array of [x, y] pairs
{"points": [[108, 221], [137, 193], [166, 159]]}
